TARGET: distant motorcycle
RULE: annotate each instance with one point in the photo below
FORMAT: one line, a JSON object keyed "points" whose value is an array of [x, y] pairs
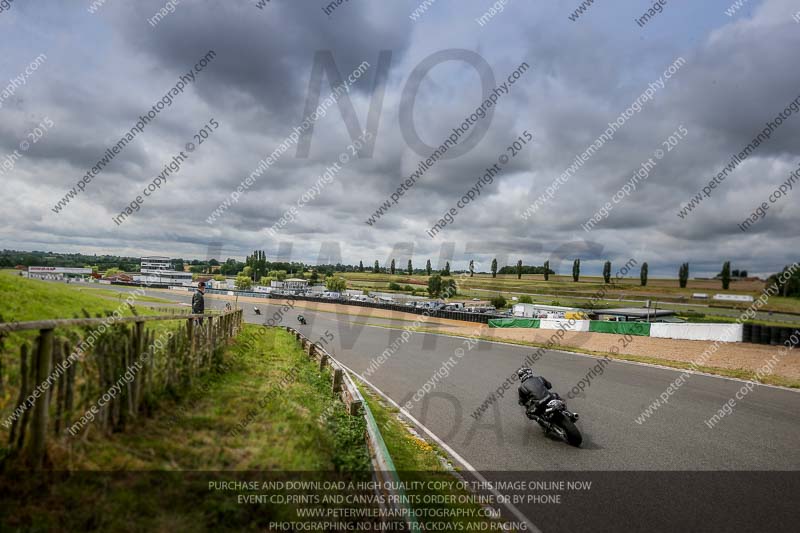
{"points": [[257, 310], [557, 419], [301, 319]]}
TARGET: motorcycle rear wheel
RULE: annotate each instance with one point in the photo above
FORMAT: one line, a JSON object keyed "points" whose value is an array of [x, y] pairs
{"points": [[573, 436]]}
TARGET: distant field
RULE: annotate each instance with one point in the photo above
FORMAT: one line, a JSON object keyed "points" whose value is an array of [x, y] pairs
{"points": [[535, 283], [564, 291]]}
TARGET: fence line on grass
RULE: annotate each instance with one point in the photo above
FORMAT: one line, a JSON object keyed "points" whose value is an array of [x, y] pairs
{"points": [[113, 372], [382, 463]]}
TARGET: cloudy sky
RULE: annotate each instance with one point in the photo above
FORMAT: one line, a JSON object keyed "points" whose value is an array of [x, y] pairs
{"points": [[97, 73]]}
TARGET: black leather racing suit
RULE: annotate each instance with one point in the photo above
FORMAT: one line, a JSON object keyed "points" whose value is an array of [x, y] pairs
{"points": [[535, 388]]}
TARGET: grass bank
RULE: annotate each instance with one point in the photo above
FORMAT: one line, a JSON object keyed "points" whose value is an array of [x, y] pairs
{"points": [[246, 420]]}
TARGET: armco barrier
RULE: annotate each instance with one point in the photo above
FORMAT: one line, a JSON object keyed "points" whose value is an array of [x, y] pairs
{"points": [[620, 328], [697, 332]]}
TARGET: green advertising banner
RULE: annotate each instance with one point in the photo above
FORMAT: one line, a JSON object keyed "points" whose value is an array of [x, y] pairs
{"points": [[514, 323], [631, 328]]}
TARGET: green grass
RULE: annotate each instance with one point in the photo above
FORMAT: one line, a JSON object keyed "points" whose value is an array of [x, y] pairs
{"points": [[24, 299], [716, 319], [283, 434], [417, 460], [170, 458]]}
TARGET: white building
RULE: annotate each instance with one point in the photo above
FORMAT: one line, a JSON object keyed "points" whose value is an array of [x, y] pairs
{"points": [[733, 297], [57, 273], [158, 270], [155, 263], [291, 285], [541, 311]]}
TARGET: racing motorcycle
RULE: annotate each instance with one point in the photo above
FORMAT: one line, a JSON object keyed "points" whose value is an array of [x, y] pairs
{"points": [[557, 420], [301, 319]]}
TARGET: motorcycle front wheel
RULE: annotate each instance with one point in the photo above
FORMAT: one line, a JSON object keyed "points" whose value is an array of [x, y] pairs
{"points": [[571, 432]]}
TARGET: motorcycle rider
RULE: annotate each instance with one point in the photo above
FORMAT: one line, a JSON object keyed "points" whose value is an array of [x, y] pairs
{"points": [[534, 391], [301, 319]]}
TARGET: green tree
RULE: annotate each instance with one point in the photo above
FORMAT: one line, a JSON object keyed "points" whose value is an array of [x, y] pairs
{"points": [[377, 267], [257, 263], [361, 266], [471, 268], [643, 274], [178, 265], [607, 272], [494, 267], [231, 267], [428, 267], [248, 271], [683, 275], [446, 271], [576, 270], [265, 281], [394, 286], [410, 268], [546, 270], [790, 286], [112, 271], [519, 269], [336, 284], [280, 275], [449, 288], [243, 282], [725, 275], [435, 285], [525, 299], [314, 276], [498, 301], [391, 267]]}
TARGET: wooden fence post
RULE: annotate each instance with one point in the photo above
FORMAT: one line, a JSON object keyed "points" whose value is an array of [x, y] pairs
{"points": [[137, 383], [39, 427], [337, 380]]}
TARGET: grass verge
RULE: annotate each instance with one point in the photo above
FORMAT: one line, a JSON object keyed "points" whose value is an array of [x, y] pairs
{"points": [[231, 426]]}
